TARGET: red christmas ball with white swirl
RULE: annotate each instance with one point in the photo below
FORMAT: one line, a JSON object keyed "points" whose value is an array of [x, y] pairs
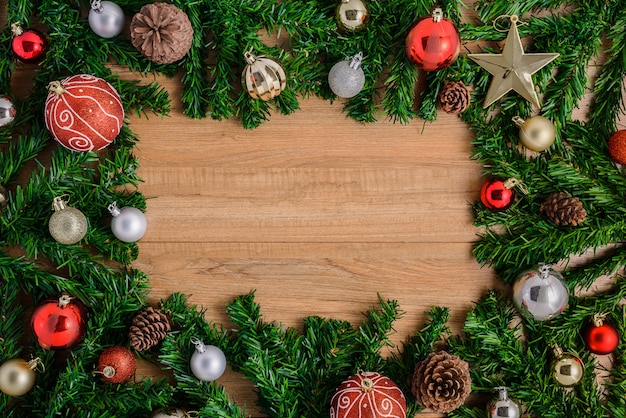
{"points": [[368, 395], [83, 112]]}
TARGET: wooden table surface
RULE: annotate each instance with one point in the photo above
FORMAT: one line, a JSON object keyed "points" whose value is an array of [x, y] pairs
{"points": [[317, 213]]}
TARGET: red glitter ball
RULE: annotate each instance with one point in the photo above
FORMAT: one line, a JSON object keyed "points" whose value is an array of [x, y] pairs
{"points": [[368, 394], [83, 112], [617, 147], [117, 364]]}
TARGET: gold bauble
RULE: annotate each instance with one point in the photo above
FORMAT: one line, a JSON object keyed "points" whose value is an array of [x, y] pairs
{"points": [[352, 15], [568, 370], [536, 133], [17, 377], [67, 225], [263, 77]]}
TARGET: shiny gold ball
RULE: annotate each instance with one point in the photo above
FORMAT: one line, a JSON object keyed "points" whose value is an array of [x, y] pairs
{"points": [[537, 133], [352, 15], [568, 370], [16, 377]]}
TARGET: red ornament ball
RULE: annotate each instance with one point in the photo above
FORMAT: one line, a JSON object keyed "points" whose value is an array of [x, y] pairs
{"points": [[59, 324], [117, 364], [368, 395], [617, 146], [83, 112], [496, 196], [28, 45], [433, 43], [601, 339]]}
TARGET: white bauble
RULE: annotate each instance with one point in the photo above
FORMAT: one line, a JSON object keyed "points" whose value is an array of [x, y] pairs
{"points": [[208, 362], [106, 18], [128, 224]]}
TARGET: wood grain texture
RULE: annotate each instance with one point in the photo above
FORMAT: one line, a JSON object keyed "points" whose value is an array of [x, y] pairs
{"points": [[315, 212]]}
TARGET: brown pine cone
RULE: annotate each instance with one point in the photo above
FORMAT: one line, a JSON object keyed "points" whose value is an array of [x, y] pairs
{"points": [[454, 97], [441, 382], [563, 209], [161, 32], [4, 197], [149, 327]]}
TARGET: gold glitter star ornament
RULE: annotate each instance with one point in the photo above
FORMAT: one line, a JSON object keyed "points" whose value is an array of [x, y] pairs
{"points": [[512, 69]]}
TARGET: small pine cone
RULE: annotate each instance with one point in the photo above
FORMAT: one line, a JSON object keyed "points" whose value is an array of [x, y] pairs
{"points": [[441, 382], [161, 32], [149, 327], [563, 209], [454, 97]]}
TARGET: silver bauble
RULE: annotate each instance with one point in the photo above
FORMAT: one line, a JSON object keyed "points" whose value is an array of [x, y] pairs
{"points": [[263, 77], [503, 407], [128, 223], [208, 362], [17, 376], [346, 79], [352, 15], [540, 293], [536, 133], [67, 225], [106, 18], [7, 111]]}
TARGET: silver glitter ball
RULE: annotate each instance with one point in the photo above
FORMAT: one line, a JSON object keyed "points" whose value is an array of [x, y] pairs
{"points": [[67, 225], [7, 111], [540, 293], [352, 15], [208, 362], [263, 77], [346, 79], [106, 18], [128, 224]]}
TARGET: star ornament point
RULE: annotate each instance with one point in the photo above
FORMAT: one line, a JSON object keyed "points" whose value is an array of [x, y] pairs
{"points": [[512, 69]]}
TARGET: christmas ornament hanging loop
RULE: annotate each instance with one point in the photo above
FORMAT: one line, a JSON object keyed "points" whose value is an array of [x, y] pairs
{"points": [[599, 318], [518, 121], [60, 202], [356, 61], [199, 344], [108, 372], [544, 270], [514, 19], [65, 300], [96, 5], [502, 392], [437, 14], [113, 209], [37, 365], [16, 29], [249, 56], [557, 350], [515, 183]]}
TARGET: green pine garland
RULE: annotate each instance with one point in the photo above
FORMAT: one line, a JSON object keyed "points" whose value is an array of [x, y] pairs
{"points": [[295, 371]]}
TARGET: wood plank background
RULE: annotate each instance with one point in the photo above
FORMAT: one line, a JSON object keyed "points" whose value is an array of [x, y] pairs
{"points": [[315, 212]]}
